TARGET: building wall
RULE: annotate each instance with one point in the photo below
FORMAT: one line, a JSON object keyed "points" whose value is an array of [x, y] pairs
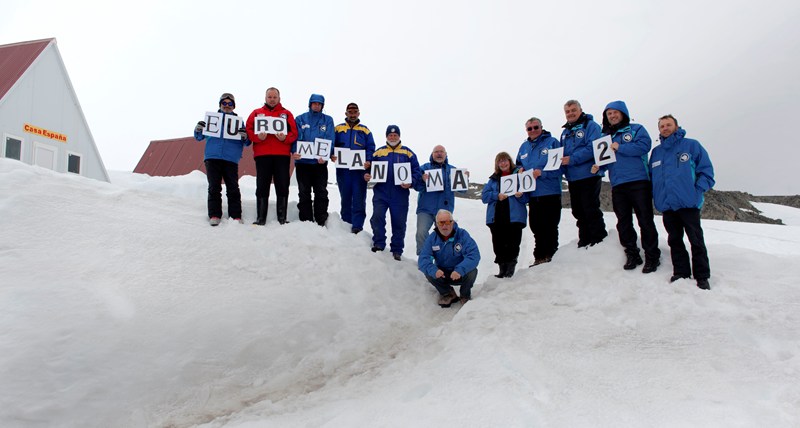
{"points": [[43, 97]]}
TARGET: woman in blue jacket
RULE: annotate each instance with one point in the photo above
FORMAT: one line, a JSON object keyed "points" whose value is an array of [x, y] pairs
{"points": [[506, 216]]}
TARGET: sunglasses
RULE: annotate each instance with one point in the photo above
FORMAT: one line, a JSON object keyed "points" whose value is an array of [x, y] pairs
{"points": [[226, 103], [444, 223], [531, 128]]}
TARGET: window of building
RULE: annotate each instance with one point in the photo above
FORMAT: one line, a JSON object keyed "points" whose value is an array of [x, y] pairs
{"points": [[73, 163], [13, 148]]}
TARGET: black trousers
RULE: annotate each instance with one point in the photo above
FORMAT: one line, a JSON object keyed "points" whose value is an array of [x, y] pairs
{"points": [[217, 171], [584, 197], [506, 238], [680, 221], [312, 177], [544, 214], [636, 197], [269, 168]]}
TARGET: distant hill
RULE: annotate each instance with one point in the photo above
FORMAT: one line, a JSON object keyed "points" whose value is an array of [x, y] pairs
{"points": [[719, 205]]}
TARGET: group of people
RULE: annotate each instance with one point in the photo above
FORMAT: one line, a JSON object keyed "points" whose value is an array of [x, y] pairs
{"points": [[448, 256]]}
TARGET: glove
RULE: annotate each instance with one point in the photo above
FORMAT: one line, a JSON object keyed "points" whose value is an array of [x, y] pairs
{"points": [[243, 134], [200, 126]]}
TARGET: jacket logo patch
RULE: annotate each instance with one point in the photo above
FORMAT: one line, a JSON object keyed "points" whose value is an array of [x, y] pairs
{"points": [[524, 155], [283, 115], [656, 164], [683, 157], [458, 247], [306, 126], [322, 128], [435, 248], [627, 138], [544, 152], [579, 134]]}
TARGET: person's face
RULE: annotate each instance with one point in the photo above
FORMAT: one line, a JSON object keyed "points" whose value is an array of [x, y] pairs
{"points": [[534, 129], [352, 114], [439, 154], [316, 107], [573, 112], [667, 127], [273, 98], [614, 116], [444, 222], [504, 165], [393, 138], [226, 105]]}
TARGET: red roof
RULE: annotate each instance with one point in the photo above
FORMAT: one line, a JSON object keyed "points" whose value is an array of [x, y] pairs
{"points": [[16, 58], [180, 156]]}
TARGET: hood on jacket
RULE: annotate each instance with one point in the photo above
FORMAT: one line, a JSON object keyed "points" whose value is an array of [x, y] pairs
{"points": [[619, 106], [316, 98]]}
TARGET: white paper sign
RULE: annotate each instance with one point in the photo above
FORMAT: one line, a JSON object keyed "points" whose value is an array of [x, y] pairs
{"points": [[402, 173], [526, 181], [435, 183], [459, 180], [214, 124], [357, 159], [379, 171], [508, 184], [306, 149], [323, 148], [269, 124], [603, 155], [343, 157], [554, 159], [318, 149]]}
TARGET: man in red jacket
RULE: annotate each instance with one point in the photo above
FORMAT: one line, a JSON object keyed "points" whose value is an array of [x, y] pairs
{"points": [[272, 153]]}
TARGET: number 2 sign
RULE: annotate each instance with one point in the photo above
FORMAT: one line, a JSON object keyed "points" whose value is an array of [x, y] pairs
{"points": [[603, 155]]}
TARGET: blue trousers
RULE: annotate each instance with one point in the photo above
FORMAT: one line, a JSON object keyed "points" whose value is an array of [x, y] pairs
{"points": [[424, 223], [353, 190], [399, 212], [443, 284]]}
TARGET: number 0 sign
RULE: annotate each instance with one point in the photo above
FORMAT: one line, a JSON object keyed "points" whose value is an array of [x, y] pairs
{"points": [[603, 155]]}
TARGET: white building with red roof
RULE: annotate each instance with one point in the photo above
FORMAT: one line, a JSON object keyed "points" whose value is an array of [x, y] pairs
{"points": [[41, 121]]}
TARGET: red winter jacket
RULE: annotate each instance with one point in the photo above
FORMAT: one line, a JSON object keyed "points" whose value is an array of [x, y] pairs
{"points": [[272, 145]]}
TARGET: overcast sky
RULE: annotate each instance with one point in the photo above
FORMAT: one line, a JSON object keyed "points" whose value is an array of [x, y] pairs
{"points": [[467, 77]]}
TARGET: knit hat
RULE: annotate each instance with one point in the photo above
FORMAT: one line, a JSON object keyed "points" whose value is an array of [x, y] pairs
{"points": [[352, 105], [392, 129], [228, 96], [316, 98]]}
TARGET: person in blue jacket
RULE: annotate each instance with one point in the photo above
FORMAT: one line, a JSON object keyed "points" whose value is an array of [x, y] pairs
{"points": [[429, 203], [312, 174], [222, 157], [449, 257], [545, 201], [505, 215], [631, 190], [353, 135], [682, 173], [390, 195], [584, 187]]}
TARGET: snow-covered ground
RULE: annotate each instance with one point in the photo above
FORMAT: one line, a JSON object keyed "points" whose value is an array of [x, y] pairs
{"points": [[121, 307]]}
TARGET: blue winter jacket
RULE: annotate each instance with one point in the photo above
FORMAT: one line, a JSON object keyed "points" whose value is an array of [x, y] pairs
{"points": [[357, 137], [516, 206], [223, 148], [312, 125], [458, 253], [682, 172], [432, 202], [534, 155], [577, 142], [389, 191], [634, 145]]}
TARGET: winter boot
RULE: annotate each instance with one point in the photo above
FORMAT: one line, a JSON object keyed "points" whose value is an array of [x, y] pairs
{"points": [[262, 206], [510, 267], [634, 259], [501, 271], [280, 208]]}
